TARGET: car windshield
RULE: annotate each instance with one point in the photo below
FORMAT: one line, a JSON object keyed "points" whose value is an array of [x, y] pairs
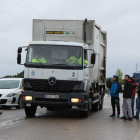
{"points": [[9, 84], [54, 55]]}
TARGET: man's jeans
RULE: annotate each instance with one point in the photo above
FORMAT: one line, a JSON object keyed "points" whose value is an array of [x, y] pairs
{"points": [[138, 107], [126, 107], [108, 91], [132, 104]]}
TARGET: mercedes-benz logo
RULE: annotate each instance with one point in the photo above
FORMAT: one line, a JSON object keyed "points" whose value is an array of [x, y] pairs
{"points": [[52, 81]]}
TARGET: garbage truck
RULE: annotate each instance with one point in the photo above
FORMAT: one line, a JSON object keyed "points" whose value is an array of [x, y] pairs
{"points": [[65, 66]]}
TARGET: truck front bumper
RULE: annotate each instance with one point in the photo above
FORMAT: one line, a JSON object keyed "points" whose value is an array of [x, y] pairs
{"points": [[64, 101]]}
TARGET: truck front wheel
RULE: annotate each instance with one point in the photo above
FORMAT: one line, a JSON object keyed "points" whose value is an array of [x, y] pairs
{"points": [[30, 111], [85, 114]]}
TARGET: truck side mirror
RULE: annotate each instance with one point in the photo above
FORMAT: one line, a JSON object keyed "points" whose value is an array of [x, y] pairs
{"points": [[93, 58], [19, 58], [19, 50]]}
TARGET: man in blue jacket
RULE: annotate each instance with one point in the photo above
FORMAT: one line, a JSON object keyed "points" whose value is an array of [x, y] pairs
{"points": [[115, 101]]}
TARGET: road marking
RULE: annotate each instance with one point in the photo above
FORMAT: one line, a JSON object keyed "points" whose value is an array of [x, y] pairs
{"points": [[137, 136]]}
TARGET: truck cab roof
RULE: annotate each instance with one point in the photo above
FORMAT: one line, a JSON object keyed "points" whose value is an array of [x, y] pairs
{"points": [[59, 43]]}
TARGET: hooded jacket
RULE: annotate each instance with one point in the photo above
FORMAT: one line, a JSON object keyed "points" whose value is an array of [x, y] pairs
{"points": [[115, 88], [128, 87]]}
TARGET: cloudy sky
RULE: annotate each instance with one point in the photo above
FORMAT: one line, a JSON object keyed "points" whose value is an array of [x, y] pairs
{"points": [[120, 18]]}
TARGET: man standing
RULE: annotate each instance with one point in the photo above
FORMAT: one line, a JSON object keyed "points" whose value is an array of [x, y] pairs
{"points": [[109, 86], [115, 89], [127, 99]]}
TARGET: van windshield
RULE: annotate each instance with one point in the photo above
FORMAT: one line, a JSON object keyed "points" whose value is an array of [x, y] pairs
{"points": [[9, 84], [55, 55]]}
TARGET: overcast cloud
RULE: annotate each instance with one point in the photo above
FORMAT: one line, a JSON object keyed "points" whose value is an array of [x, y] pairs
{"points": [[119, 18]]}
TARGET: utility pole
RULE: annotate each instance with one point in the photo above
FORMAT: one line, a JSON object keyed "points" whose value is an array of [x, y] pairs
{"points": [[137, 66]]}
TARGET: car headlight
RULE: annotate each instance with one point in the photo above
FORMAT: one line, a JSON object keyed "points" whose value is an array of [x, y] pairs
{"points": [[11, 95]]}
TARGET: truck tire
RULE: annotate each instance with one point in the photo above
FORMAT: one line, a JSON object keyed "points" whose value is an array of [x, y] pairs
{"points": [[95, 106], [19, 103], [85, 114], [30, 111], [50, 108], [102, 99]]}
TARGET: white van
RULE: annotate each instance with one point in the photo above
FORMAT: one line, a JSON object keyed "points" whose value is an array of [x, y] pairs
{"points": [[10, 92]]}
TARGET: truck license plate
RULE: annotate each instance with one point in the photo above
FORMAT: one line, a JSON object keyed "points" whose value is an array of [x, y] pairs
{"points": [[51, 96]]}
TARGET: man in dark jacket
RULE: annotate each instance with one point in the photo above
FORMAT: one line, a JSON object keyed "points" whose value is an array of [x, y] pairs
{"points": [[109, 86], [115, 101], [127, 93]]}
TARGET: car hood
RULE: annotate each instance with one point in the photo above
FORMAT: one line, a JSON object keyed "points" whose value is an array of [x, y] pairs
{"points": [[8, 91]]}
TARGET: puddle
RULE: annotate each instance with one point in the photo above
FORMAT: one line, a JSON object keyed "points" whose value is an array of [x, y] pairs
{"points": [[11, 122]]}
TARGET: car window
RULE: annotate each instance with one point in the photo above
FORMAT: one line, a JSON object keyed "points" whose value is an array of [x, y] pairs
{"points": [[9, 84]]}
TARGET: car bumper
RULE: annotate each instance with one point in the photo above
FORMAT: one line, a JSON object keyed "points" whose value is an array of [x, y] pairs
{"points": [[8, 101]]}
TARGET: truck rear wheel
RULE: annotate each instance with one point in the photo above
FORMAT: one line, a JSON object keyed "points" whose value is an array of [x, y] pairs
{"points": [[102, 99], [30, 111]]}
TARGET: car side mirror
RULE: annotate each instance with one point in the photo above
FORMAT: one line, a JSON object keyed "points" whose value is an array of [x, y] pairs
{"points": [[19, 50], [93, 58], [19, 58]]}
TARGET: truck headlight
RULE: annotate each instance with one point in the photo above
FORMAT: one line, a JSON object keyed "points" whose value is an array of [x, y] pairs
{"points": [[76, 100], [27, 98], [11, 95]]}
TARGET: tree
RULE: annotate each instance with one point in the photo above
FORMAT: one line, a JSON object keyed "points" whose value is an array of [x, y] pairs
{"points": [[20, 75], [120, 74]]}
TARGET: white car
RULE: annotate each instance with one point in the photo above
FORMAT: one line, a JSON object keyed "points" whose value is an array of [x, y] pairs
{"points": [[10, 92]]}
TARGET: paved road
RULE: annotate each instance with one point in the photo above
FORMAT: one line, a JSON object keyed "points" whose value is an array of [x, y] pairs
{"points": [[67, 125]]}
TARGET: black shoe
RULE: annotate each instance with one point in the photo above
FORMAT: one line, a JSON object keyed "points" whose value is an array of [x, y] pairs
{"points": [[130, 118], [135, 117], [118, 116], [113, 116], [0, 113], [123, 117]]}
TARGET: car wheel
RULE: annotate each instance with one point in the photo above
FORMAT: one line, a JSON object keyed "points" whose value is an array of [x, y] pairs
{"points": [[19, 103]]}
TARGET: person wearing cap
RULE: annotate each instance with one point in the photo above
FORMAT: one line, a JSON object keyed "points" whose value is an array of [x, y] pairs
{"points": [[127, 93], [115, 101], [76, 59], [39, 59]]}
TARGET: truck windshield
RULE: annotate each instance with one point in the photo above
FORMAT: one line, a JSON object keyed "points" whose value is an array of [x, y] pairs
{"points": [[55, 56], [9, 84]]}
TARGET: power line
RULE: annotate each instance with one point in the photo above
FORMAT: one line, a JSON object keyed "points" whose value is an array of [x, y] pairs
{"points": [[15, 17], [26, 8], [34, 8]]}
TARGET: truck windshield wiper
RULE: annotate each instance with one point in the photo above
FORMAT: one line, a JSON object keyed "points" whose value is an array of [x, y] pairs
{"points": [[41, 63], [62, 65]]}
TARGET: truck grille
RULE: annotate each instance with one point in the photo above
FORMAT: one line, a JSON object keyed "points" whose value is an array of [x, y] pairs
{"points": [[51, 100], [43, 85]]}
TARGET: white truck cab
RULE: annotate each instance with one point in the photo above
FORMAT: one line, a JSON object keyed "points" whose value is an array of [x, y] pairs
{"points": [[65, 66]]}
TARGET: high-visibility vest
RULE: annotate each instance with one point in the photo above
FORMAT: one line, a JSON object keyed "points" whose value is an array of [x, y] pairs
{"points": [[78, 61], [42, 59]]}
